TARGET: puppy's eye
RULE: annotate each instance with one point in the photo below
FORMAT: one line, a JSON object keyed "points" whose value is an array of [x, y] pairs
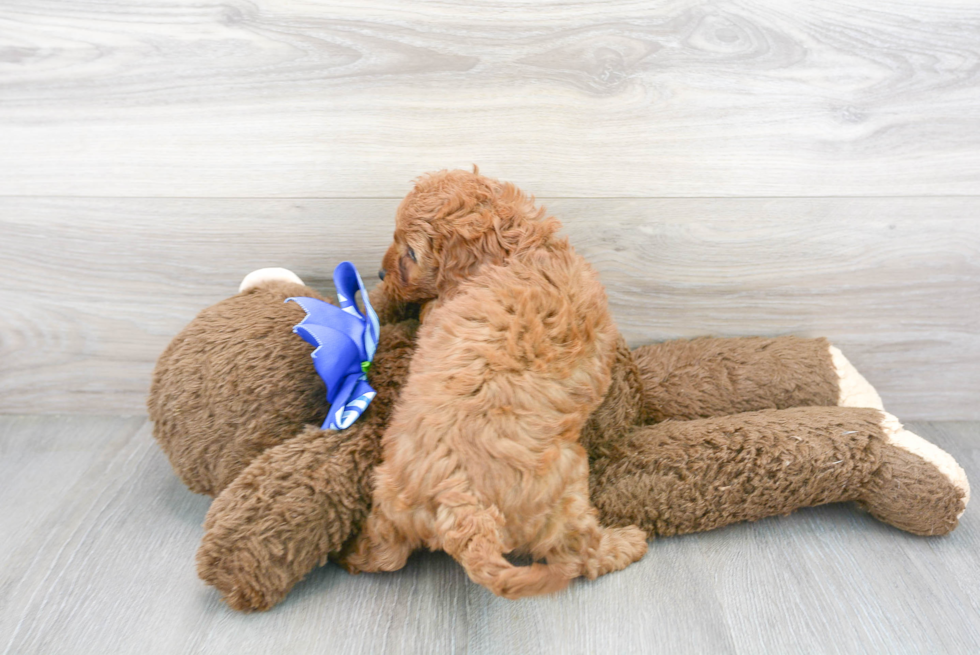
{"points": [[411, 255]]}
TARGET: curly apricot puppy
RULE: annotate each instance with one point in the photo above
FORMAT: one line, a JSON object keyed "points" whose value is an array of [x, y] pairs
{"points": [[481, 457]]}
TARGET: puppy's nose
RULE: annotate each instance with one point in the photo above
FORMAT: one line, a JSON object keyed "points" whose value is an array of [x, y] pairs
{"points": [[381, 274]]}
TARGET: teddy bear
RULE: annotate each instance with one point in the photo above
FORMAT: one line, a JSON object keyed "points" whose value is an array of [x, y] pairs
{"points": [[692, 435]]}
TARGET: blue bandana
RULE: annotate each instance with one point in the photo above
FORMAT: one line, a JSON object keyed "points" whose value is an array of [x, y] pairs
{"points": [[345, 342]]}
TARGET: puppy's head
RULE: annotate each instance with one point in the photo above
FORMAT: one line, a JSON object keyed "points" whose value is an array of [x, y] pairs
{"points": [[452, 223]]}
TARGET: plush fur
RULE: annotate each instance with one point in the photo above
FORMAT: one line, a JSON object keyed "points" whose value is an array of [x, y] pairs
{"points": [[482, 457], [698, 378], [302, 499], [234, 391], [209, 442], [282, 513]]}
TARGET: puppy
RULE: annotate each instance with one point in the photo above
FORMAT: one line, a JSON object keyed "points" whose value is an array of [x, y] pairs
{"points": [[481, 457]]}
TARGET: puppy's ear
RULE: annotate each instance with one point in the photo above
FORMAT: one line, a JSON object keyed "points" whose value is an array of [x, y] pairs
{"points": [[486, 223], [473, 243], [472, 226]]}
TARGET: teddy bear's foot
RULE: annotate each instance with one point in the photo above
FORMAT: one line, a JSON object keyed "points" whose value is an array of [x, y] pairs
{"points": [[265, 275], [854, 390], [686, 476], [918, 487], [237, 574]]}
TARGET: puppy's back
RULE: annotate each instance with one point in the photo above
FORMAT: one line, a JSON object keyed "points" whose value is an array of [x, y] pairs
{"points": [[509, 370]]}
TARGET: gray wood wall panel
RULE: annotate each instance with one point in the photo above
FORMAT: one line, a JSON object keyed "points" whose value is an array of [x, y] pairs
{"points": [[106, 565], [332, 99], [91, 290]]}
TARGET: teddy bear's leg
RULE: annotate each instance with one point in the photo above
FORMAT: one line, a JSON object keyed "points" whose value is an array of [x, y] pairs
{"points": [[286, 512], [705, 377], [688, 476], [917, 487]]}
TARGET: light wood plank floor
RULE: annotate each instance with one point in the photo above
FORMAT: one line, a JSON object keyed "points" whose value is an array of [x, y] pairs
{"points": [[731, 168], [100, 536]]}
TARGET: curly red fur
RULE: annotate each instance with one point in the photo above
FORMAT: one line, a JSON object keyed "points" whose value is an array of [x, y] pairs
{"points": [[482, 456], [457, 222]]}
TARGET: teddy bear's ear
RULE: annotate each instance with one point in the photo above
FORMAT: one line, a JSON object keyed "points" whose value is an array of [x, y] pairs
{"points": [[263, 276]]}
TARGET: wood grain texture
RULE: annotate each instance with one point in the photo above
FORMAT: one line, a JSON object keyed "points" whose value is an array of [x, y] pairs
{"points": [[102, 562], [270, 113], [298, 98], [93, 289]]}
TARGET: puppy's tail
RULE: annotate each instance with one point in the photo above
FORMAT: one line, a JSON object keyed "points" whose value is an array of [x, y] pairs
{"points": [[485, 564], [534, 580], [471, 534]]}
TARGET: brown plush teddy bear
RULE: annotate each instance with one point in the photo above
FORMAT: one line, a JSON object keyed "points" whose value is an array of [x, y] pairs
{"points": [[692, 435]]}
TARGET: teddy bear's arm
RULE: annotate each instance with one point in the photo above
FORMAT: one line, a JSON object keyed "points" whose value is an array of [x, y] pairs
{"points": [[705, 377], [287, 511], [678, 477], [300, 501]]}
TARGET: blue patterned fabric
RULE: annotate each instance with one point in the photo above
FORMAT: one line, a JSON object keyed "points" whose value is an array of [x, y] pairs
{"points": [[345, 342]]}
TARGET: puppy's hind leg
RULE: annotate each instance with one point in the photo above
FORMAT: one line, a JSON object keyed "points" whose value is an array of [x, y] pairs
{"points": [[590, 549], [379, 547], [474, 541], [618, 548]]}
